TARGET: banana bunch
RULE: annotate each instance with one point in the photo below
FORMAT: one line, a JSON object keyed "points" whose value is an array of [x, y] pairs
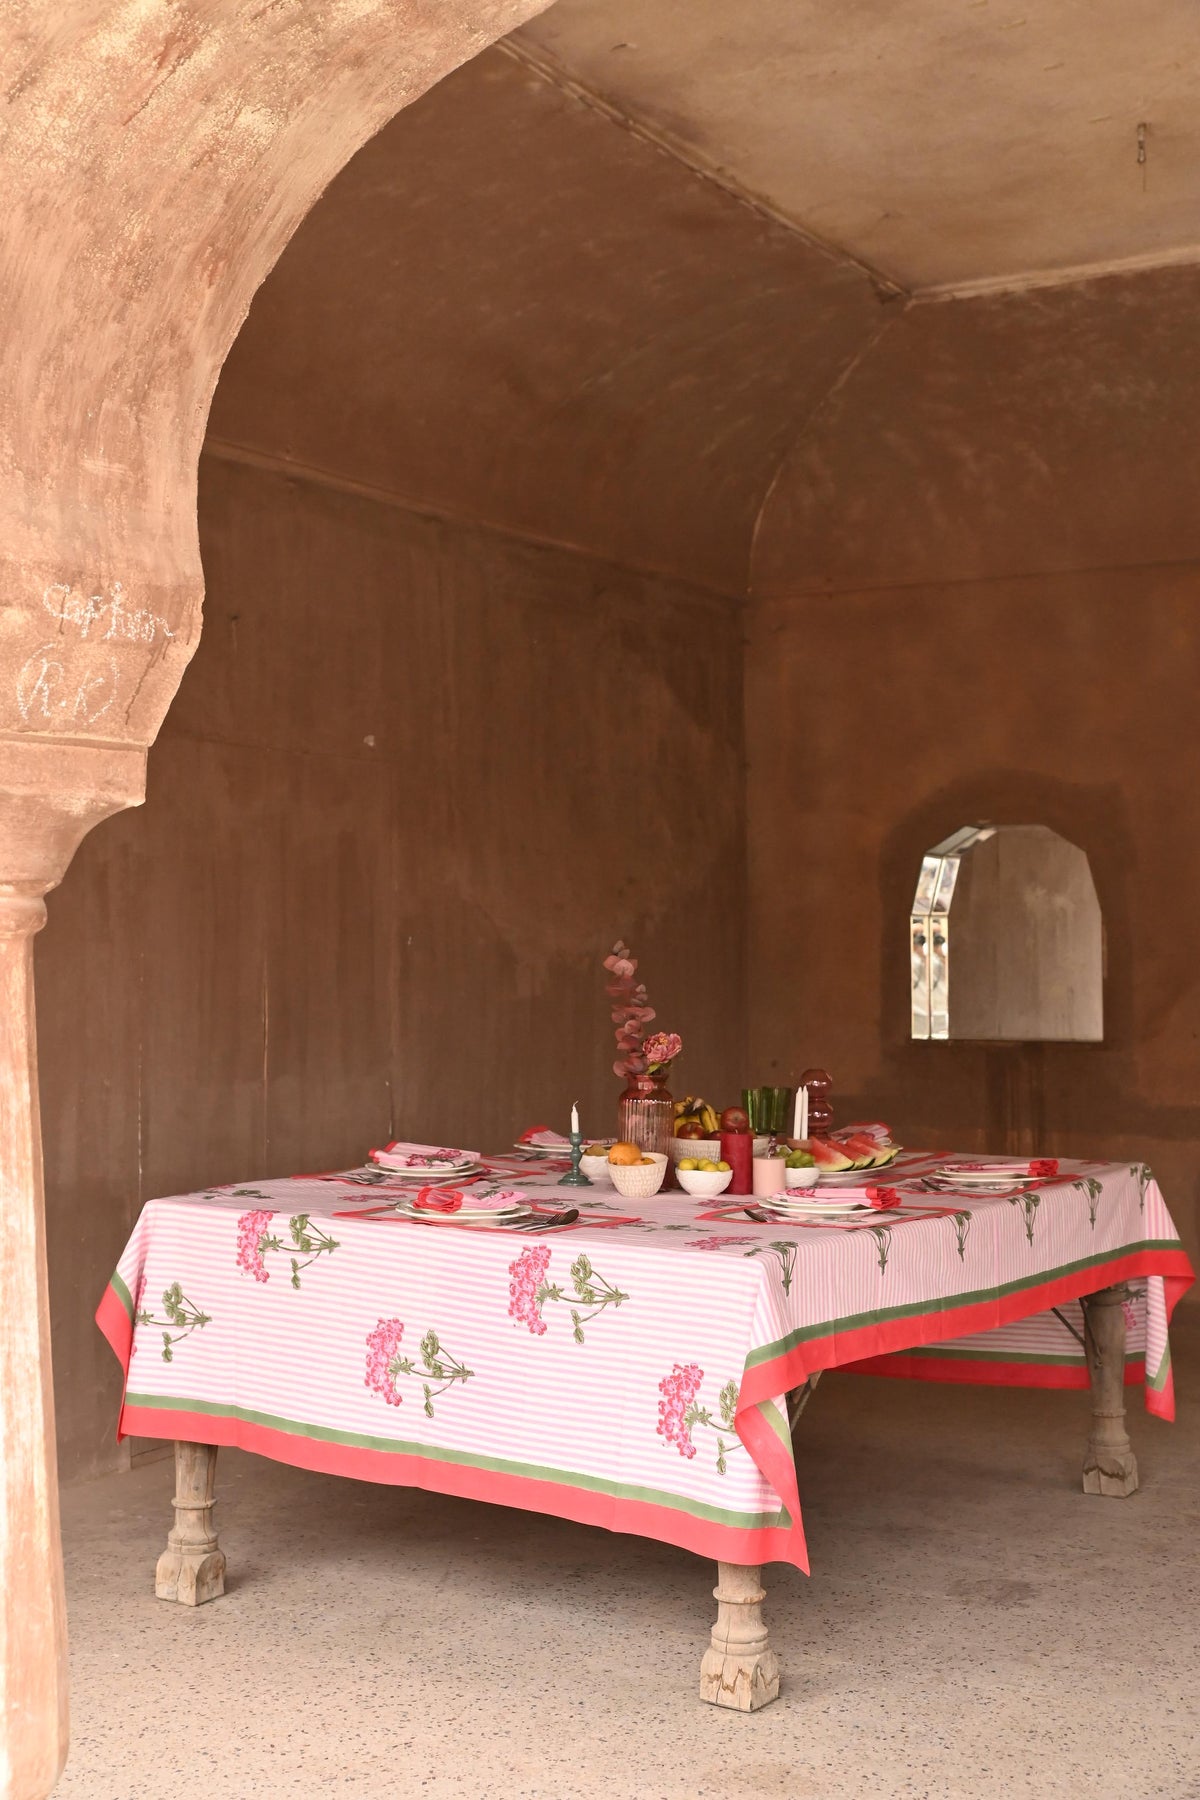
{"points": [[694, 1110]]}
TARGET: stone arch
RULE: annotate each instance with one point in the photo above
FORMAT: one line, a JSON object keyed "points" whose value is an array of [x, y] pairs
{"points": [[156, 160]]}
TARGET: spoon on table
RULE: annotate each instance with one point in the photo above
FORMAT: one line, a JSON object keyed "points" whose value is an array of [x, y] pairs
{"points": [[543, 1221]]}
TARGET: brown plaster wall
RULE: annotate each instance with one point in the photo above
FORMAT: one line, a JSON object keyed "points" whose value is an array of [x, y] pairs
{"points": [[483, 464], [377, 869], [977, 597]]}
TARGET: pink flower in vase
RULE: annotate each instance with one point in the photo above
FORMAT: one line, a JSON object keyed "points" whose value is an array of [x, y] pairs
{"points": [[662, 1048], [678, 1390], [631, 1010]]}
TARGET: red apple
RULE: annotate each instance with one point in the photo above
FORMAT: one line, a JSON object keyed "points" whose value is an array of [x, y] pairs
{"points": [[691, 1128], [735, 1118]]}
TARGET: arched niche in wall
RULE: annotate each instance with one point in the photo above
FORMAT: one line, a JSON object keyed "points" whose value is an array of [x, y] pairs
{"points": [[1007, 939]]}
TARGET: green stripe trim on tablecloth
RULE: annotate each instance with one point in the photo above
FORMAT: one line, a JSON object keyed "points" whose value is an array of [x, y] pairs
{"points": [[715, 1515], [949, 1302], [1158, 1380], [777, 1422], [123, 1295]]}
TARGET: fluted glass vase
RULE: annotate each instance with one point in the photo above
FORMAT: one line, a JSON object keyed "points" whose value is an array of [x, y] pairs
{"points": [[646, 1113]]}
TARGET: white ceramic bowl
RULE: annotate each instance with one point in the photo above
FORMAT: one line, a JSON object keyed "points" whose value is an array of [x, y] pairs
{"points": [[762, 1145], [705, 1182], [697, 1147], [595, 1168], [801, 1178], [637, 1181]]}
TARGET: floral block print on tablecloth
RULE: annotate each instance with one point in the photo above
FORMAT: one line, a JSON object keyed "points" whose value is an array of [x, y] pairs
{"points": [[608, 1373]]}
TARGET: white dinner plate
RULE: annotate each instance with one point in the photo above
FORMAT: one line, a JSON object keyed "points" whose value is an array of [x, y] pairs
{"points": [[464, 1215], [832, 1209], [1017, 1173], [438, 1178], [435, 1171], [549, 1149], [949, 1184]]}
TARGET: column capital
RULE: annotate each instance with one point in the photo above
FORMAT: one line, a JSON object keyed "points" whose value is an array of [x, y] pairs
{"points": [[52, 792]]}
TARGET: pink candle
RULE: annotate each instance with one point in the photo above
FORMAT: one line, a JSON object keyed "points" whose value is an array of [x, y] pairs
{"points": [[770, 1175]]}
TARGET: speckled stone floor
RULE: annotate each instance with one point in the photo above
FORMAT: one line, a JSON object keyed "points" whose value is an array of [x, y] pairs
{"points": [[974, 1627]]}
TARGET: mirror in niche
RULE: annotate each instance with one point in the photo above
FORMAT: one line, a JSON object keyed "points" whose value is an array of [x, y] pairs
{"points": [[1006, 939]]}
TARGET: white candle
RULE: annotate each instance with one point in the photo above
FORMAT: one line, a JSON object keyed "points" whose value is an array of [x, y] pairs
{"points": [[803, 1112], [575, 1120], [798, 1115]]}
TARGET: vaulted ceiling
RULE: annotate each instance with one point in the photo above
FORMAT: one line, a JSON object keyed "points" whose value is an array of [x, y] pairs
{"points": [[614, 281], [942, 142]]}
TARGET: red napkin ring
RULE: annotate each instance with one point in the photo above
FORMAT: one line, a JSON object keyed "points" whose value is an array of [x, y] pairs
{"points": [[1044, 1167], [442, 1200], [883, 1198]]}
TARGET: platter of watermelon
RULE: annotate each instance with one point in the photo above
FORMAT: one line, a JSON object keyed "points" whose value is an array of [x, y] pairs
{"points": [[851, 1177], [846, 1155]]}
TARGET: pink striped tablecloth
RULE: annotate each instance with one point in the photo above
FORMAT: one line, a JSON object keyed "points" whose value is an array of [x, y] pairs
{"points": [[631, 1371]]}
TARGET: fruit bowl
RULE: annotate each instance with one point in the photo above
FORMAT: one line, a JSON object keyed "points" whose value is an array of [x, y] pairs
{"points": [[697, 1147], [801, 1178], [704, 1182], [596, 1168], [637, 1181]]}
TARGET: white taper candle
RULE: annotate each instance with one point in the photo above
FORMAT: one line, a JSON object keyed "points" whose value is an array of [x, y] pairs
{"points": [[575, 1120]]}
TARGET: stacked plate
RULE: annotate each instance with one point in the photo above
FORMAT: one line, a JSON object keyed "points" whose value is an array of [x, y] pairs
{"points": [[803, 1203], [979, 1178], [437, 1178], [506, 1207], [420, 1165]]}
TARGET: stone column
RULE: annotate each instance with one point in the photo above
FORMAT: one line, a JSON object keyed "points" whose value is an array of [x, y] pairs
{"points": [[33, 1623], [54, 794]]}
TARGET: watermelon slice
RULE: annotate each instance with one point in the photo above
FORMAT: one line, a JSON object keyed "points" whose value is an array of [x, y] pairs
{"points": [[862, 1148], [827, 1155]]}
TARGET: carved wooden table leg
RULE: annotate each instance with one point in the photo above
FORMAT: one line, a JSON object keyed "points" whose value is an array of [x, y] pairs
{"points": [[192, 1567], [1110, 1466], [739, 1668]]}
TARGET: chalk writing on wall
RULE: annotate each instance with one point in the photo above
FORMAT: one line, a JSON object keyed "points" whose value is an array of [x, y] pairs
{"points": [[104, 616], [53, 689]]}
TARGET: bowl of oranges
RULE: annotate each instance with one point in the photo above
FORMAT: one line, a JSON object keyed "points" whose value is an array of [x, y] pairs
{"points": [[703, 1176], [635, 1172]]}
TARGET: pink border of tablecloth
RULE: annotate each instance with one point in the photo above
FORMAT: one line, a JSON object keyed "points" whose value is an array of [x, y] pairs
{"points": [[773, 1371]]}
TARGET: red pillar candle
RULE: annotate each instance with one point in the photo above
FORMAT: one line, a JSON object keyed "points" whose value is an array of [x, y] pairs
{"points": [[737, 1149]]}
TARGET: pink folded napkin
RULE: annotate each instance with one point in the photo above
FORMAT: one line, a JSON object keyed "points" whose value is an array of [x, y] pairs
{"points": [[542, 1138], [870, 1194], [451, 1200], [401, 1155]]}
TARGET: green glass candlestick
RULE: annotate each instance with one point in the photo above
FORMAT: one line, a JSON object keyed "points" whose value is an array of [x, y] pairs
{"points": [[576, 1178]]}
